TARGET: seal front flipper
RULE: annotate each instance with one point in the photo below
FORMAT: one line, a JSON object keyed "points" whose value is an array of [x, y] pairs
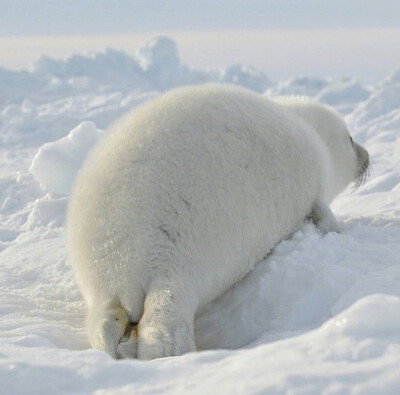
{"points": [[321, 215]]}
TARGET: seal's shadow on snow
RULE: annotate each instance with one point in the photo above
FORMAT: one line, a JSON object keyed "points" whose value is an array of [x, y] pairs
{"points": [[294, 289]]}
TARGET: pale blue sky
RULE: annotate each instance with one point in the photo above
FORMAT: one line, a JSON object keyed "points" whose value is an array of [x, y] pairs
{"points": [[353, 37], [61, 17]]}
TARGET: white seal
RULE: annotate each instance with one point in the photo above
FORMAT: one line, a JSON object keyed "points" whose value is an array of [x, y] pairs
{"points": [[185, 195]]}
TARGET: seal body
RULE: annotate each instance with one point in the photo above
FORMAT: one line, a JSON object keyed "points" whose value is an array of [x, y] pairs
{"points": [[185, 195]]}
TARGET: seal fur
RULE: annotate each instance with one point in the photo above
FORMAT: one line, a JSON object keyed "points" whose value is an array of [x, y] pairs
{"points": [[185, 195]]}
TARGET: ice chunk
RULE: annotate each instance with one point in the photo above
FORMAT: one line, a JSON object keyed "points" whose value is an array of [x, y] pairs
{"points": [[162, 67], [56, 164], [47, 211], [246, 76]]}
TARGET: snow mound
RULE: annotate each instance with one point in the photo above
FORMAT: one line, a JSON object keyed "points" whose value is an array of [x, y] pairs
{"points": [[159, 62], [16, 86], [110, 67], [381, 103], [302, 86], [161, 65], [155, 66], [98, 87], [375, 316], [246, 76], [344, 94], [56, 164], [395, 77]]}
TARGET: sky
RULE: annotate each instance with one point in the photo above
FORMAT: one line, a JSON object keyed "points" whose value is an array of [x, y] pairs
{"points": [[49, 17], [282, 37]]}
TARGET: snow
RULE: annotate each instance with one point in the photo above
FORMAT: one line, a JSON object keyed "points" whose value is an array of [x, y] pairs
{"points": [[56, 164], [320, 315], [344, 95], [308, 86]]}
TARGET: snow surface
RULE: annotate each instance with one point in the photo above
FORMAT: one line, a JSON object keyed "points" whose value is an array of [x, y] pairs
{"points": [[320, 315]]}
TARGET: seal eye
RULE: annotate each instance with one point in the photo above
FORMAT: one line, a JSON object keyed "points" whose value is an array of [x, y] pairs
{"points": [[351, 140]]}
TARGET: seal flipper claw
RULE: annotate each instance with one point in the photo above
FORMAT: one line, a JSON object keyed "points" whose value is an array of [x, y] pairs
{"points": [[324, 219]]}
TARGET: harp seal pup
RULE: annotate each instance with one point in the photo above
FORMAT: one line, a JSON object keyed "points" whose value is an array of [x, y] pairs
{"points": [[183, 197]]}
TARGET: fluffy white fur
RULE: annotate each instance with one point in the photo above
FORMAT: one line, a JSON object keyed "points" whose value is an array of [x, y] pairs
{"points": [[185, 195]]}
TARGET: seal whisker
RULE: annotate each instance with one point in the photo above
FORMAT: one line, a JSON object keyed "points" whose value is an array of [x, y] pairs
{"points": [[363, 174]]}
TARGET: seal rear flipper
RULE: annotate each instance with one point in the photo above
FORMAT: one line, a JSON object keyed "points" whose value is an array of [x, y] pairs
{"points": [[111, 331], [166, 327]]}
